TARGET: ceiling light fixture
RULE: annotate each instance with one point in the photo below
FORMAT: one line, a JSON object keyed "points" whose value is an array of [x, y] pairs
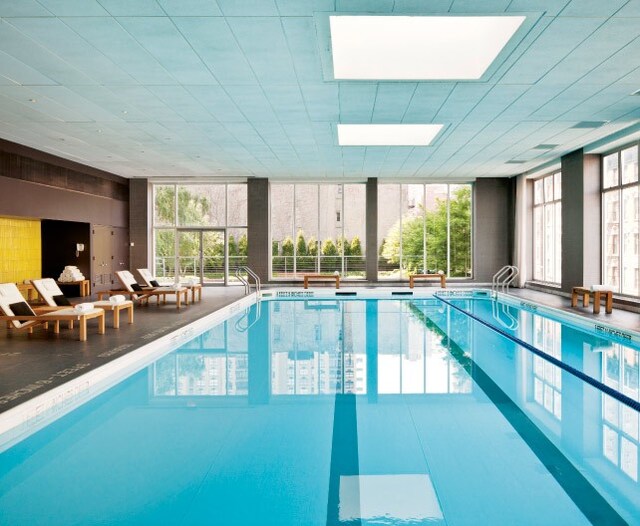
{"points": [[418, 47], [387, 134]]}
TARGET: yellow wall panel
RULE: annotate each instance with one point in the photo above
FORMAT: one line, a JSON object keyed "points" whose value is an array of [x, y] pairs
{"points": [[20, 250]]}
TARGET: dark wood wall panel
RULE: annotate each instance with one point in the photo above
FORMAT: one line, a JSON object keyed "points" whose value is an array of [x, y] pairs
{"points": [[59, 240], [27, 164]]}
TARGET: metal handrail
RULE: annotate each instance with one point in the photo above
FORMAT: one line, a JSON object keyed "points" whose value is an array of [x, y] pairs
{"points": [[245, 282], [503, 279]]}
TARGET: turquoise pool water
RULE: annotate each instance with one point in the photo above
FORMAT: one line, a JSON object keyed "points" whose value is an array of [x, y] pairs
{"points": [[354, 412]]}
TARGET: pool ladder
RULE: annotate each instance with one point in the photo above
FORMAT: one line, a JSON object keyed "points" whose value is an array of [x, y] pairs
{"points": [[503, 279], [245, 281]]}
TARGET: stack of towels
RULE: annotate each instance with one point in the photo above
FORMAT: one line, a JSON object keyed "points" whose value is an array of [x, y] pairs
{"points": [[70, 274], [601, 288], [84, 307], [118, 299]]}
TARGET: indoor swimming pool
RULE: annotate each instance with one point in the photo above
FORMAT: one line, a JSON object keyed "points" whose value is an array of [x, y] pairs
{"points": [[459, 410]]}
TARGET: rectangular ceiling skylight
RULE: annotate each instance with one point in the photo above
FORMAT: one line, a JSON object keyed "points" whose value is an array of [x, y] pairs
{"points": [[387, 134], [418, 47]]}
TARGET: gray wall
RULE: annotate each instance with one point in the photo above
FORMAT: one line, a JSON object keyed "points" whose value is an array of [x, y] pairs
{"points": [[140, 224], [372, 229], [580, 220], [492, 226], [258, 231]]}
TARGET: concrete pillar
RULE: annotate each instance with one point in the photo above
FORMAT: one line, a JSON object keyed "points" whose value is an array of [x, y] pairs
{"points": [[493, 221], [140, 209], [581, 202], [258, 228], [372, 229]]}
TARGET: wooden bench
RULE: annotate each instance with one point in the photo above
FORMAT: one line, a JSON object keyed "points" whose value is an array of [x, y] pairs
{"points": [[597, 296], [321, 277], [441, 277], [115, 308]]}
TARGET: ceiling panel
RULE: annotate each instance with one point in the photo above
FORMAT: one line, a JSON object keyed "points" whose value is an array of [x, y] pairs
{"points": [[237, 87]]}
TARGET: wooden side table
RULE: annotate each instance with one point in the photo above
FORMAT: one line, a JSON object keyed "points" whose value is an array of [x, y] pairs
{"points": [[85, 286], [115, 308], [72, 315], [29, 289], [597, 297]]}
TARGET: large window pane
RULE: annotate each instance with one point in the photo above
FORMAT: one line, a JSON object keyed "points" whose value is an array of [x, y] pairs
{"points": [[165, 252], [238, 250], [547, 228], [460, 230], [282, 230], [437, 210], [538, 243], [306, 224], [610, 171], [629, 165], [236, 205], [201, 205], [611, 207], [331, 239], [355, 199], [164, 209], [630, 241], [389, 231]]}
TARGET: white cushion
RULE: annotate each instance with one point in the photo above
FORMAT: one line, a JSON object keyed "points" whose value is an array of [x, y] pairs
{"points": [[601, 288]]}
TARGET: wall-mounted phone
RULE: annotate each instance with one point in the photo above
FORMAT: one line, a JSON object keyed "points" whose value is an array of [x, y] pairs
{"points": [[79, 248]]}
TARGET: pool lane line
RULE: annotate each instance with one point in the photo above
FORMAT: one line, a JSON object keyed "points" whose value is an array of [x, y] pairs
{"points": [[620, 397], [344, 455], [582, 493]]}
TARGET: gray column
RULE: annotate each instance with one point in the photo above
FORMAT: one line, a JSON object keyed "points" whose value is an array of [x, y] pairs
{"points": [[140, 233], [259, 231], [493, 220], [372, 229], [580, 220]]}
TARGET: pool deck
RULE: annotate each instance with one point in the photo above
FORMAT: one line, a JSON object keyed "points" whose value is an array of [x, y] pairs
{"points": [[32, 364]]}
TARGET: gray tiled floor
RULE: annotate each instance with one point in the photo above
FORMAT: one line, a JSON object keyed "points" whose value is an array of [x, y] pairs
{"points": [[31, 364]]}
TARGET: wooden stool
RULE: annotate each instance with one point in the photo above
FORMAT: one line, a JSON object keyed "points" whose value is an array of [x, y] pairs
{"points": [[441, 277], [597, 296]]}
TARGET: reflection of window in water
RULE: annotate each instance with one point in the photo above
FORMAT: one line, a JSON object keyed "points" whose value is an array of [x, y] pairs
{"points": [[621, 425], [320, 349], [213, 364], [412, 359], [547, 378]]}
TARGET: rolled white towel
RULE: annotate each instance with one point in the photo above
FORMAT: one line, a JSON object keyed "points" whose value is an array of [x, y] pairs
{"points": [[84, 307], [601, 288], [117, 299]]}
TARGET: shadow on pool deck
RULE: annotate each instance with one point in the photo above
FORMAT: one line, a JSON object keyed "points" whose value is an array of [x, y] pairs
{"points": [[32, 364]]}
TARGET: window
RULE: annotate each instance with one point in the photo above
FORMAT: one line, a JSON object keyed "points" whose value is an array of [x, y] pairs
{"points": [[620, 218], [190, 224], [547, 228], [318, 228], [424, 228]]}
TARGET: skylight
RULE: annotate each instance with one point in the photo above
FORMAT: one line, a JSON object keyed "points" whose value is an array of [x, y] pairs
{"points": [[387, 134], [418, 47]]}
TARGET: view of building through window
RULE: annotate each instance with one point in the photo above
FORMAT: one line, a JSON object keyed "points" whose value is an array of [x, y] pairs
{"points": [[424, 228], [318, 228], [547, 229], [200, 231], [620, 217]]}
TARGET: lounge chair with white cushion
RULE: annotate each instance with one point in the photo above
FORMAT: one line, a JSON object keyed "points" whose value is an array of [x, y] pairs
{"points": [[56, 300], [20, 316], [151, 281], [136, 292]]}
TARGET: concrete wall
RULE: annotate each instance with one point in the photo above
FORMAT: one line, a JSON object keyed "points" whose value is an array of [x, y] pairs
{"points": [[140, 224], [258, 231], [581, 220], [493, 222]]}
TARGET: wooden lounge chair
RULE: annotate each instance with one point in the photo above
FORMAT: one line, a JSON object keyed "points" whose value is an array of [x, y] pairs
{"points": [[151, 281], [56, 300], [136, 292], [21, 317]]}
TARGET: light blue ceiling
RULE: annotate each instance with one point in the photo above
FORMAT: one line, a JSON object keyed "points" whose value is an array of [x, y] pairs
{"points": [[195, 88]]}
